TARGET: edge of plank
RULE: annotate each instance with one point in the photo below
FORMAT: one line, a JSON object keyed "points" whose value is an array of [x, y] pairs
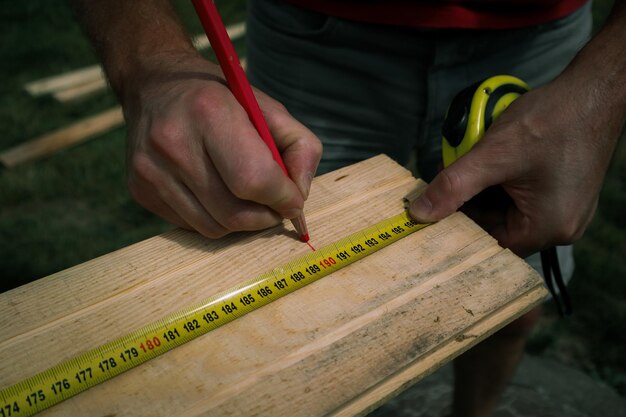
{"points": [[423, 366]]}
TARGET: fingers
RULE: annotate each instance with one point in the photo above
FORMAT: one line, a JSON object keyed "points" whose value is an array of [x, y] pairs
{"points": [[458, 183], [244, 162], [233, 214], [301, 150], [550, 201], [199, 163], [525, 231], [157, 191], [205, 206]]}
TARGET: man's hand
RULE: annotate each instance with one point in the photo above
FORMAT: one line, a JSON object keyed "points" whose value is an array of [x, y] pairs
{"points": [[549, 151], [194, 157], [196, 160], [541, 153]]}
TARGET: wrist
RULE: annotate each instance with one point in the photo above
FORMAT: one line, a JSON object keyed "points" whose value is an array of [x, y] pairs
{"points": [[137, 41], [603, 61], [160, 72]]}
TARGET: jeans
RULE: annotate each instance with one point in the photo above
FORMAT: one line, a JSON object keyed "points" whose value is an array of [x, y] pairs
{"points": [[366, 89]]}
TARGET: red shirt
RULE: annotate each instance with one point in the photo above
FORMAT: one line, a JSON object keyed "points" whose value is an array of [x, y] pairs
{"points": [[467, 14]]}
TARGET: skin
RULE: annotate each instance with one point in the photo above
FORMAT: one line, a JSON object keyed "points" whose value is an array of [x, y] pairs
{"points": [[549, 151], [195, 159]]}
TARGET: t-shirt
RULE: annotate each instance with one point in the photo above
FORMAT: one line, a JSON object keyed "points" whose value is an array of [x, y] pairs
{"points": [[467, 14]]}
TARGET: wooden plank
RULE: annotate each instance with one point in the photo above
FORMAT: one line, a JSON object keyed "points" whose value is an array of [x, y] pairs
{"points": [[93, 75], [407, 309], [62, 138], [423, 366], [68, 136], [65, 80], [80, 91]]}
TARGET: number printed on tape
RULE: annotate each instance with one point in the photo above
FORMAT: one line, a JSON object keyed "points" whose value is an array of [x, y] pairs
{"points": [[105, 362]]}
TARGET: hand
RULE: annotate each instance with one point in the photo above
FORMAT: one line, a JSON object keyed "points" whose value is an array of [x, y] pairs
{"points": [[195, 159], [549, 152]]}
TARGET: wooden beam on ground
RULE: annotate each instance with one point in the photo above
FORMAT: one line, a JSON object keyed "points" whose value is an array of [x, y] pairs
{"points": [[337, 347], [66, 80], [62, 138], [80, 91], [234, 31], [67, 136], [78, 83]]}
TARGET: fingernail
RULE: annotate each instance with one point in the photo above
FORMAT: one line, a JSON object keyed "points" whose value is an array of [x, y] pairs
{"points": [[421, 208]]}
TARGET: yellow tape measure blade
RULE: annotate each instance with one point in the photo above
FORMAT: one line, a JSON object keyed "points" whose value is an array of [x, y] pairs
{"points": [[71, 377]]}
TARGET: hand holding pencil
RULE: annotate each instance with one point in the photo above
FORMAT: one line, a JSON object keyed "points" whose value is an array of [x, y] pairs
{"points": [[194, 157], [240, 87]]}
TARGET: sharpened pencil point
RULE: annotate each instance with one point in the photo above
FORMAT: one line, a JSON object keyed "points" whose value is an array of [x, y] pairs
{"points": [[300, 225]]}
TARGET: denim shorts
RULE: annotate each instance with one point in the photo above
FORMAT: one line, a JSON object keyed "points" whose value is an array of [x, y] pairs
{"points": [[366, 89]]}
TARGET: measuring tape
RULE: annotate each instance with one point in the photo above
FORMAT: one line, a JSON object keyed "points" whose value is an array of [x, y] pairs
{"points": [[111, 359]]}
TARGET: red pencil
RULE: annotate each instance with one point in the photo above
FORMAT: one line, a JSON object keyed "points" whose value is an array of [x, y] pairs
{"points": [[239, 85]]}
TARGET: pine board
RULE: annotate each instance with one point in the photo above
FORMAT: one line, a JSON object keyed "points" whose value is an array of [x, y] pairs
{"points": [[63, 138], [339, 346]]}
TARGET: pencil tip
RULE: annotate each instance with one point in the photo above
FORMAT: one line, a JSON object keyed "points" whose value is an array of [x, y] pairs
{"points": [[304, 237]]}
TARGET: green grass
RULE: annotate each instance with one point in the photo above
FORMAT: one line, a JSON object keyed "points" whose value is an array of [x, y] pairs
{"points": [[74, 205]]}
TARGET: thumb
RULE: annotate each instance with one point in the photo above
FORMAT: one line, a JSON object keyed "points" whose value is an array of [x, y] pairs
{"points": [[300, 149], [455, 185]]}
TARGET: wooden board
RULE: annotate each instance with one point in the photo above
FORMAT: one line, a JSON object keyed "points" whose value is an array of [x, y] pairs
{"points": [[75, 85], [339, 346], [84, 81], [81, 91], [66, 80], [63, 138]]}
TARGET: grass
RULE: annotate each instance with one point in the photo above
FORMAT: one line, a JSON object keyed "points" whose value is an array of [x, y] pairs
{"points": [[74, 205]]}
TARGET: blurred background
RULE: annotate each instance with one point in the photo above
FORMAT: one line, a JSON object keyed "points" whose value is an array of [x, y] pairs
{"points": [[73, 205]]}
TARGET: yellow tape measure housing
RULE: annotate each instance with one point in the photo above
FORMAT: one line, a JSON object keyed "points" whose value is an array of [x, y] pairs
{"points": [[472, 111], [109, 360]]}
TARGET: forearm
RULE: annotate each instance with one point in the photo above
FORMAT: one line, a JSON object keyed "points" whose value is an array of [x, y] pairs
{"points": [[134, 39], [194, 158], [609, 55], [598, 73], [549, 151]]}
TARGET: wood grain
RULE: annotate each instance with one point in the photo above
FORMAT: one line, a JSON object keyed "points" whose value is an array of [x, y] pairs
{"points": [[339, 346]]}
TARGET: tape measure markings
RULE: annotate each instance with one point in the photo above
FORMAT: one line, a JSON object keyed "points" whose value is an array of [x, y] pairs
{"points": [[104, 362]]}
